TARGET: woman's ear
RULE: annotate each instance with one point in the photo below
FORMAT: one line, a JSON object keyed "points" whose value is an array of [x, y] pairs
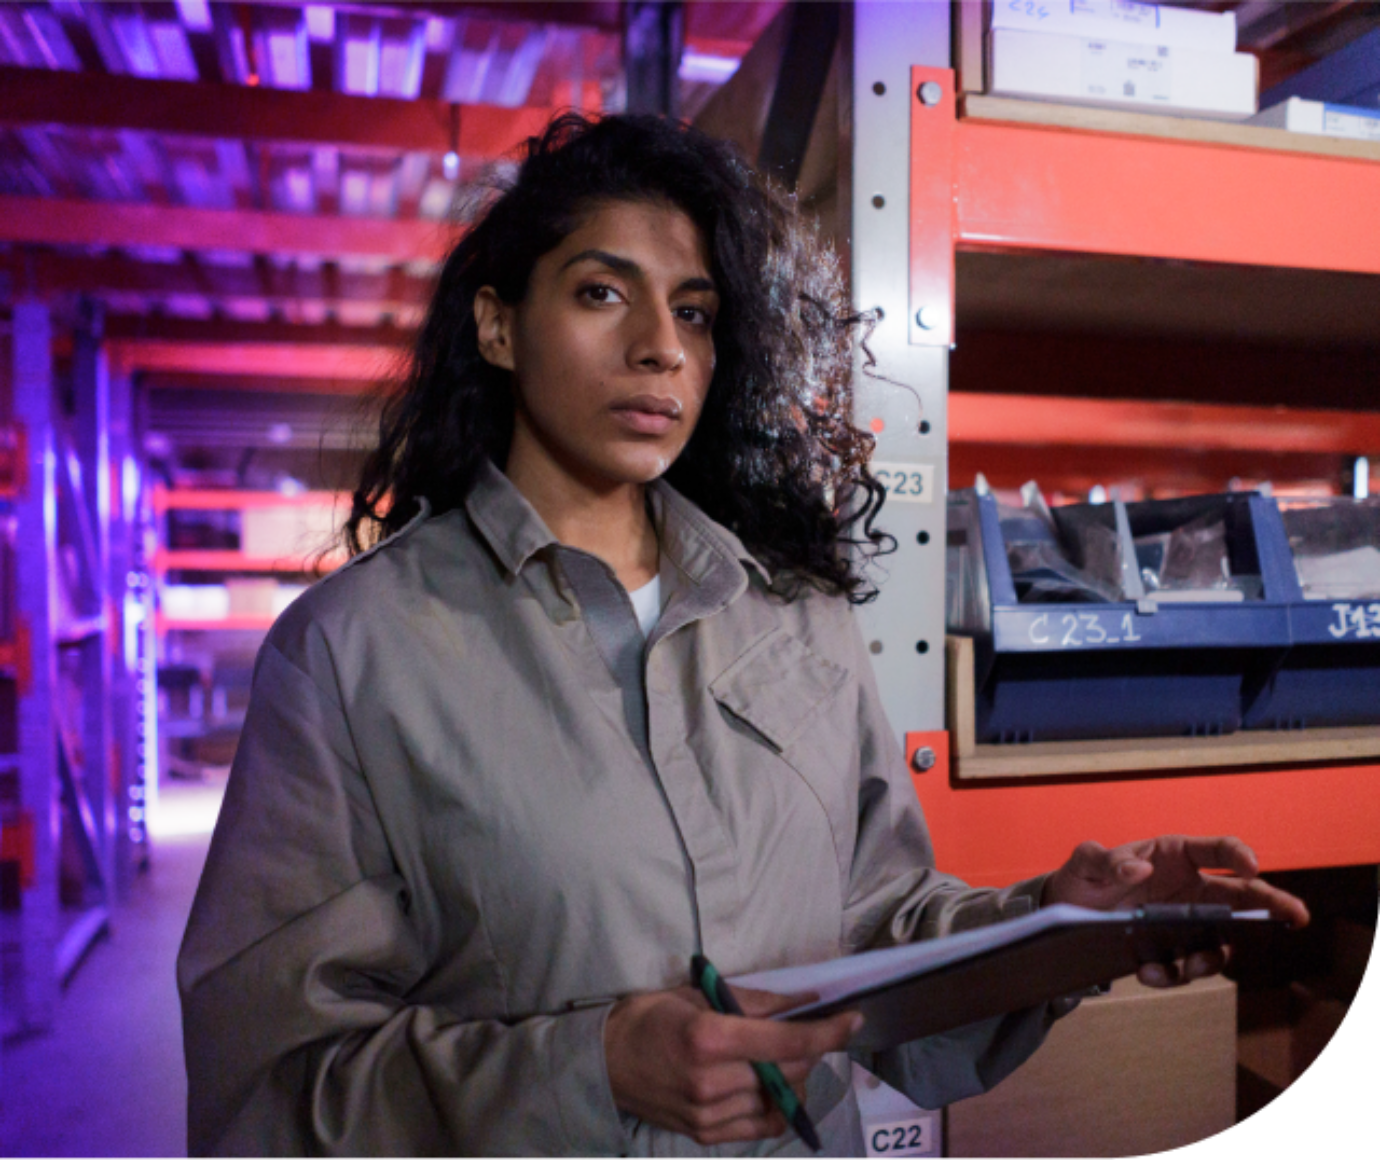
{"points": [[493, 319]]}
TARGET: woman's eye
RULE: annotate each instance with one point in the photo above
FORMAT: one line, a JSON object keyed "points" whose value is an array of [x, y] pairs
{"points": [[598, 292], [694, 315]]}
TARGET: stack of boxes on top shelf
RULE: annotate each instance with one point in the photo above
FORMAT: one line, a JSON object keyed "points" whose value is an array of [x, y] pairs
{"points": [[277, 533], [1338, 97], [1115, 53]]}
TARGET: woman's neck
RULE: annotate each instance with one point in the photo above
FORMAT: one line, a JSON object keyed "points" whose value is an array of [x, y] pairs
{"points": [[612, 523]]}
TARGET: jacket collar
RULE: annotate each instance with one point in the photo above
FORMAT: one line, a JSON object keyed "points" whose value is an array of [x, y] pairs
{"points": [[693, 542]]}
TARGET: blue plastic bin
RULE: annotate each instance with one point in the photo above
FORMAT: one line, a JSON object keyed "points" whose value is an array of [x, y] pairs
{"points": [[1134, 666], [1331, 674]]}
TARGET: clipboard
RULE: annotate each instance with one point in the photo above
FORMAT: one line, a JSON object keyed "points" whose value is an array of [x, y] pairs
{"points": [[1010, 966]]}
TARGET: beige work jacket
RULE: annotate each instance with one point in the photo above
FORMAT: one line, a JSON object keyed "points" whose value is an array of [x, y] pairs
{"points": [[442, 854]]}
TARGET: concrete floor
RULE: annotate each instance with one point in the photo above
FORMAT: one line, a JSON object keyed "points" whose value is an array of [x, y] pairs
{"points": [[108, 1079]]}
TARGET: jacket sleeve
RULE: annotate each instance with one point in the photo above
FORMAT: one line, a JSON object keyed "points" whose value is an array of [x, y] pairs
{"points": [[897, 896], [297, 965]]}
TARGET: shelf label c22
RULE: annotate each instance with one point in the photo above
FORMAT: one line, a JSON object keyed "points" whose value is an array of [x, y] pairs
{"points": [[1359, 620], [1080, 629]]}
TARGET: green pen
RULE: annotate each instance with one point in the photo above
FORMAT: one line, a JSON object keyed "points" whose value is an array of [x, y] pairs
{"points": [[708, 980]]}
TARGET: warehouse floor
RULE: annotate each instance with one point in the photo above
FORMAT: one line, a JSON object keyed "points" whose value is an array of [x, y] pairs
{"points": [[108, 1079]]}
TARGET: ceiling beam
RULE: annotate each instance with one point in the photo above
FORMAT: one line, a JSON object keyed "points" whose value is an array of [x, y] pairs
{"points": [[48, 275], [64, 221], [30, 96]]}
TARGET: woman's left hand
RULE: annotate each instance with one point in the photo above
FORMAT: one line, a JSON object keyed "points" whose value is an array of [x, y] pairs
{"points": [[1171, 869]]}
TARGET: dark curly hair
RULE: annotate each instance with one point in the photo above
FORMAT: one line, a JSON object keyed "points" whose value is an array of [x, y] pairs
{"points": [[775, 456]]}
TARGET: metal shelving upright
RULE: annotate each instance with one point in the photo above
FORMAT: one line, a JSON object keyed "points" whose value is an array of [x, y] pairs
{"points": [[76, 803]]}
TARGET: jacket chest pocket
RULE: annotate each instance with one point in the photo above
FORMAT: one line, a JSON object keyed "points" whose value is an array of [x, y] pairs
{"points": [[798, 703]]}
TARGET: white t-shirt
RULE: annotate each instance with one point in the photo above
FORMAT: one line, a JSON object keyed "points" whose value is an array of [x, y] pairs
{"points": [[646, 602]]}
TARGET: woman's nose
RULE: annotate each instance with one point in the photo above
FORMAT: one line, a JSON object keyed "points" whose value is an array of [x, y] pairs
{"points": [[656, 344]]}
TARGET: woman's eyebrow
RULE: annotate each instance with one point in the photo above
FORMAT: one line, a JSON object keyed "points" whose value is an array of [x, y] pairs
{"points": [[631, 269]]}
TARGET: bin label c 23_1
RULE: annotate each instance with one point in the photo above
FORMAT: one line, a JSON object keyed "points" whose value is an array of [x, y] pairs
{"points": [[1080, 629]]}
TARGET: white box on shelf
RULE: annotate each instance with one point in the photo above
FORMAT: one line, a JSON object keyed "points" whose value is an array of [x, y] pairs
{"points": [[289, 530], [1161, 79], [251, 595], [1122, 20], [195, 601], [1300, 115]]}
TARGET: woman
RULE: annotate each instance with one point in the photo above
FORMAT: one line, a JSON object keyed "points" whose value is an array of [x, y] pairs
{"points": [[592, 701]]}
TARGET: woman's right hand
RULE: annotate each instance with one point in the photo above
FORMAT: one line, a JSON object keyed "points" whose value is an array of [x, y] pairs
{"points": [[676, 1063]]}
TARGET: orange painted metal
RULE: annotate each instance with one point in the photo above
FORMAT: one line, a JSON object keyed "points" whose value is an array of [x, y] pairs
{"points": [[226, 499], [1292, 818], [345, 364], [1055, 189], [211, 560], [67, 221], [14, 460], [1035, 420], [932, 214], [241, 623], [17, 845], [936, 740], [387, 125], [1047, 188]]}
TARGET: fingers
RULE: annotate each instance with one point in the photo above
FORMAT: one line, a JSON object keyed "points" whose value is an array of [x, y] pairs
{"points": [[1124, 865], [1128, 865], [1255, 894], [729, 1037], [1198, 965], [1088, 861], [1222, 854], [1159, 974], [764, 1004]]}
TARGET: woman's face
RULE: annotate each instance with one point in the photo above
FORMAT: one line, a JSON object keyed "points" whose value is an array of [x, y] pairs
{"points": [[611, 349]]}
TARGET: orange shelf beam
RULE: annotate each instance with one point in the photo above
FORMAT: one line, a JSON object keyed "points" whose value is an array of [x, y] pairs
{"points": [[1045, 420], [384, 124], [1046, 188], [242, 622], [215, 560], [980, 184], [348, 364], [1293, 818], [61, 221], [226, 499]]}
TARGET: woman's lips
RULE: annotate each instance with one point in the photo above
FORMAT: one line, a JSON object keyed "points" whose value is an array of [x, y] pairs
{"points": [[648, 414]]}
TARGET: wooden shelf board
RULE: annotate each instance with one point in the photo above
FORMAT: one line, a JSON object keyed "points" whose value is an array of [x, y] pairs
{"points": [[1086, 118], [1132, 755]]}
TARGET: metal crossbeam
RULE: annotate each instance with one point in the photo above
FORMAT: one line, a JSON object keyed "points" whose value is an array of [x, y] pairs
{"points": [[187, 108], [75, 222]]}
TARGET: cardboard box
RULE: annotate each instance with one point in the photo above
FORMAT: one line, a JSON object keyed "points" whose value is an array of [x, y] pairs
{"points": [[1284, 1029], [1139, 1070], [251, 596], [1136, 77], [290, 530], [1299, 115]]}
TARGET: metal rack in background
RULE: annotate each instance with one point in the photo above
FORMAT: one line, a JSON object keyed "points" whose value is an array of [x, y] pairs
{"points": [[73, 794]]}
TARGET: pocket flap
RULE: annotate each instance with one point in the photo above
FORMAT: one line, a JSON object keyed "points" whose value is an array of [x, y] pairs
{"points": [[777, 687]]}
